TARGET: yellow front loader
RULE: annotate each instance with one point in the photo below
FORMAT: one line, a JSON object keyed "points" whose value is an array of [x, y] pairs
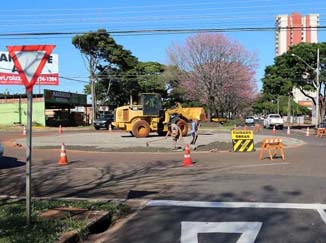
{"points": [[148, 116]]}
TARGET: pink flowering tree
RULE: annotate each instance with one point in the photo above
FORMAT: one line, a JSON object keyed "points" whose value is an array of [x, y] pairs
{"points": [[216, 71]]}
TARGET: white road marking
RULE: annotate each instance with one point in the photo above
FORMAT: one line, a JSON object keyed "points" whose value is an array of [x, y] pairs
{"points": [[322, 214], [248, 230], [251, 165], [313, 206], [258, 165]]}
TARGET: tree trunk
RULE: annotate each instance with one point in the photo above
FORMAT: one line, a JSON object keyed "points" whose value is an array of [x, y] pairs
{"points": [[322, 110]]}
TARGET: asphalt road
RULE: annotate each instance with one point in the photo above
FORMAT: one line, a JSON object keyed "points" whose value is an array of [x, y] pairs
{"points": [[263, 200]]}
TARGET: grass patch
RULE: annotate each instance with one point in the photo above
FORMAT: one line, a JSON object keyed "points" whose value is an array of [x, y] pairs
{"points": [[13, 227]]}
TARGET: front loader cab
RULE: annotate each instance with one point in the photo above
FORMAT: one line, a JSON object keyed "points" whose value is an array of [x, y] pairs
{"points": [[151, 103]]}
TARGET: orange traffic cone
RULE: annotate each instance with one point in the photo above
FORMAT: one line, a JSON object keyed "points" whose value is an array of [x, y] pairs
{"points": [[187, 161], [288, 132], [24, 131], [307, 133], [274, 130], [60, 130], [63, 156], [110, 128]]}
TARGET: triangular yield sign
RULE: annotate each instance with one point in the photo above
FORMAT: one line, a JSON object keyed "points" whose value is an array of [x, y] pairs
{"points": [[30, 61]]}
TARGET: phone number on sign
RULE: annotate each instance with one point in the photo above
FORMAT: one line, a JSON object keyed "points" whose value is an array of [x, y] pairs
{"points": [[47, 79], [16, 79]]}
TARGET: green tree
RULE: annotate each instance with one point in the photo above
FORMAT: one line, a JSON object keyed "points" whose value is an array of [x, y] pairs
{"points": [[103, 55], [149, 77], [115, 74], [175, 92], [144, 77], [295, 68]]}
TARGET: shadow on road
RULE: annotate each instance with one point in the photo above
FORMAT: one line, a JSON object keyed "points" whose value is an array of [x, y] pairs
{"points": [[132, 194], [10, 162]]}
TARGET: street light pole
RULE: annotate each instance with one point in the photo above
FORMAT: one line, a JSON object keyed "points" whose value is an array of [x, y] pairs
{"points": [[317, 88], [316, 83]]}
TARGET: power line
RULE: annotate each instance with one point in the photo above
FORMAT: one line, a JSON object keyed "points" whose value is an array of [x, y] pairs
{"points": [[96, 11], [161, 6], [102, 13], [166, 31], [74, 79], [125, 19]]}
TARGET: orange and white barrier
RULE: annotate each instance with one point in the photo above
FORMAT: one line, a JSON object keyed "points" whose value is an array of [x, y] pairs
{"points": [[63, 156], [321, 132], [288, 132], [307, 132], [60, 130], [258, 128], [187, 161], [272, 145]]}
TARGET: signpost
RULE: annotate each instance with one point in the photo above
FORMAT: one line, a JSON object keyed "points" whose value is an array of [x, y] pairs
{"points": [[29, 62]]}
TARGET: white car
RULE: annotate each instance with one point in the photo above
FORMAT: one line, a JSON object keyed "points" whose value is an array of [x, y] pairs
{"points": [[273, 120], [250, 120]]}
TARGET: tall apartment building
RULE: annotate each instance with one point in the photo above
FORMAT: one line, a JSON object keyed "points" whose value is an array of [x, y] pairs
{"points": [[294, 29]]}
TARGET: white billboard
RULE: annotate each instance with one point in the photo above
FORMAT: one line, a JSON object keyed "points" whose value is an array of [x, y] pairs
{"points": [[9, 74]]}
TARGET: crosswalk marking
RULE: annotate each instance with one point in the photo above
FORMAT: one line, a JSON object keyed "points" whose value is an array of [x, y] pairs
{"points": [[320, 208], [248, 230]]}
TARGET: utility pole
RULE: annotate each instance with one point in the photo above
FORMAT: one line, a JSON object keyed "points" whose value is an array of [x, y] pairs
{"points": [[316, 83], [317, 88], [92, 81]]}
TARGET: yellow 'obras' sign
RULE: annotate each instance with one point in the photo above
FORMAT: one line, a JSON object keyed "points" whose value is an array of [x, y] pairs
{"points": [[242, 140]]}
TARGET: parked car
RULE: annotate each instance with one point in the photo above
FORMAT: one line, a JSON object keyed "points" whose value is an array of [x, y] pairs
{"points": [[273, 120], [1, 149], [103, 121], [250, 120]]}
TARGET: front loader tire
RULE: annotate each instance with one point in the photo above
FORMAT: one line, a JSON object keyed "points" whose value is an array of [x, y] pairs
{"points": [[183, 126], [140, 129]]}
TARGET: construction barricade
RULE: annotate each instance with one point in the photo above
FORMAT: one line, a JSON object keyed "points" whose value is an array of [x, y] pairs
{"points": [[242, 140], [258, 128], [187, 161], [63, 156], [321, 132], [272, 145]]}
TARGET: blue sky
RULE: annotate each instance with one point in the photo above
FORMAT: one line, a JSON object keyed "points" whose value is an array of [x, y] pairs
{"points": [[34, 16]]}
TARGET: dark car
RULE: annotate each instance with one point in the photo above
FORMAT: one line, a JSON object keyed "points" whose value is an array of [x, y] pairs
{"points": [[1, 149], [104, 121]]}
